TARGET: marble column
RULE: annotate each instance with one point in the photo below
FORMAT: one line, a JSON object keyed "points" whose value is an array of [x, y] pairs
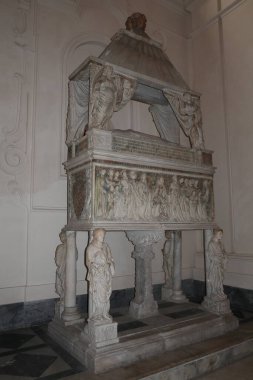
{"points": [[215, 300], [177, 294], [71, 314], [143, 305]]}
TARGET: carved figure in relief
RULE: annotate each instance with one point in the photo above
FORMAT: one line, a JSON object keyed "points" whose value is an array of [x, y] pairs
{"points": [[187, 110], [189, 107], [217, 261], [121, 199], [60, 261], [174, 193], [103, 98], [143, 197], [132, 199], [108, 189], [205, 199], [109, 93], [160, 198], [100, 271], [168, 259]]}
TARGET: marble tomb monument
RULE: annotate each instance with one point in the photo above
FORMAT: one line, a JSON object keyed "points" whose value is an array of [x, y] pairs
{"points": [[147, 186]]}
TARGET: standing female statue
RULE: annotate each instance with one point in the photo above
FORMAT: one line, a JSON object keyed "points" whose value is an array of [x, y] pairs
{"points": [[217, 260], [100, 270]]}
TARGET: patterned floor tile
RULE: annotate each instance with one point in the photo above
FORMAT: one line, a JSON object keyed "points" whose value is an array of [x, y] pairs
{"points": [[29, 365], [57, 366], [35, 341], [14, 340]]}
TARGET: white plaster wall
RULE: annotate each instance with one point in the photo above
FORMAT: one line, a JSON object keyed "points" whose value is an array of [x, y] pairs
{"points": [[222, 54], [42, 41]]}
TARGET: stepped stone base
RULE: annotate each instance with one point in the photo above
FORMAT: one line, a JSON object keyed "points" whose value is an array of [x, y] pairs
{"points": [[159, 334]]}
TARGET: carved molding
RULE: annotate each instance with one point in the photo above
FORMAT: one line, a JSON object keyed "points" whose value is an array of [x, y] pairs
{"points": [[12, 148]]}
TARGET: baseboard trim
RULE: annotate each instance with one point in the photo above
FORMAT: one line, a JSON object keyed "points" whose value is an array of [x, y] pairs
{"points": [[33, 313]]}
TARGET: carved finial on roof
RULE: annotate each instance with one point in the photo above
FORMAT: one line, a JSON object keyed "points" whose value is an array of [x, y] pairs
{"points": [[137, 23]]}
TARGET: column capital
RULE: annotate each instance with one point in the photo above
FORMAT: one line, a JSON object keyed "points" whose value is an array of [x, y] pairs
{"points": [[144, 238]]}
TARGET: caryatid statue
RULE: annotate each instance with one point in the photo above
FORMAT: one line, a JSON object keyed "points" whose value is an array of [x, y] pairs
{"points": [[100, 271], [217, 261], [60, 261]]}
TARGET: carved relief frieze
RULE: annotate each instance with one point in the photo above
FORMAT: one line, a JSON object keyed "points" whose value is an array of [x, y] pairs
{"points": [[135, 195]]}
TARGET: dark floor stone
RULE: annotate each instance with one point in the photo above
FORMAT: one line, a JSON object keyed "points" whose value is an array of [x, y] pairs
{"points": [[14, 341], [12, 316], [184, 313], [27, 365], [121, 298], [130, 325], [238, 313], [166, 304], [116, 314]]}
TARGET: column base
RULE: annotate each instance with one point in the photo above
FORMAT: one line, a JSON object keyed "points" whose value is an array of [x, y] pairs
{"points": [[166, 293], [101, 334], [217, 306], [71, 316], [178, 297], [145, 309]]}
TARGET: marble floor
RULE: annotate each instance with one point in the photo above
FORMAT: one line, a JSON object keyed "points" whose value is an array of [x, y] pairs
{"points": [[30, 353]]}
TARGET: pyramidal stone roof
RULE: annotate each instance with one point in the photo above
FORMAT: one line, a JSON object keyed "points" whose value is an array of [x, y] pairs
{"points": [[134, 50]]}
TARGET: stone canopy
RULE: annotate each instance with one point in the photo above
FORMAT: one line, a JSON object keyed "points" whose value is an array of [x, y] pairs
{"points": [[133, 67]]}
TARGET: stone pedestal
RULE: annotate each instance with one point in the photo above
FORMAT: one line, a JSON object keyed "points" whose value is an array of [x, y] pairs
{"points": [[143, 305], [101, 334], [71, 314], [217, 306], [177, 294]]}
